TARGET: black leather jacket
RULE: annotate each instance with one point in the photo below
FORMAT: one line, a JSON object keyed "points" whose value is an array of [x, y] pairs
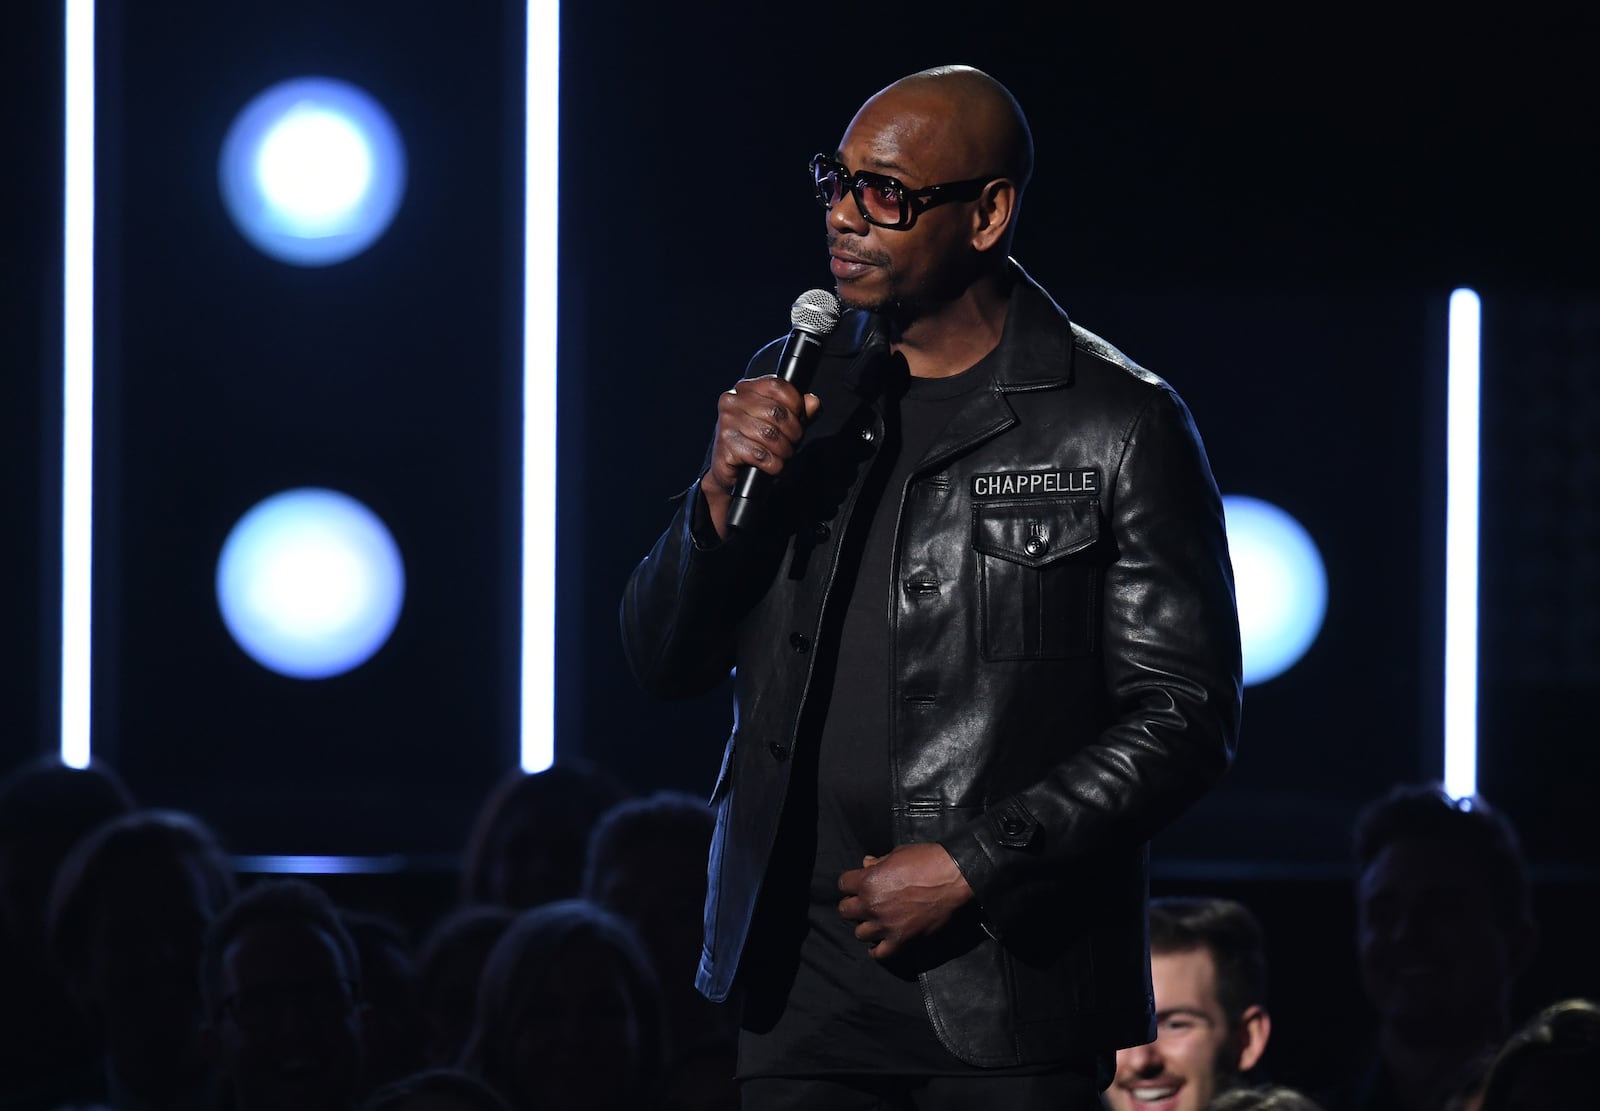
{"points": [[1064, 679]]}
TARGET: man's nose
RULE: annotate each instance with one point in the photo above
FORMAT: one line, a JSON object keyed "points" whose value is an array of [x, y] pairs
{"points": [[1141, 1060], [845, 215]]}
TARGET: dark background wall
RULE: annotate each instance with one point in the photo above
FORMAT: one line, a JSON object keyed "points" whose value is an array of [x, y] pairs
{"points": [[1267, 207]]}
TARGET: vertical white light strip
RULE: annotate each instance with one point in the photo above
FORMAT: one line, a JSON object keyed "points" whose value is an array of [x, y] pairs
{"points": [[541, 173], [77, 357], [1461, 549]]}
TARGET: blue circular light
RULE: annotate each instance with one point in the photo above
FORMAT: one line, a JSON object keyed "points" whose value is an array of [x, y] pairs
{"points": [[312, 171], [1281, 583], [310, 583]]}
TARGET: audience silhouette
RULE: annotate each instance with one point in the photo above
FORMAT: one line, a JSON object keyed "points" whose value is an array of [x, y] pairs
{"points": [[449, 969], [569, 1014], [1444, 928], [282, 979], [1272, 1097], [437, 1090], [1551, 1062], [647, 863], [527, 844], [46, 808], [396, 1024], [139, 977], [128, 916]]}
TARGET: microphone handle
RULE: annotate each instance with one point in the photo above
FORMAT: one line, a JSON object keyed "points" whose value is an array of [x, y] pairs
{"points": [[796, 366]]}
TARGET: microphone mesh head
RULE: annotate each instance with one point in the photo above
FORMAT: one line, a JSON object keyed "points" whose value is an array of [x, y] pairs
{"points": [[816, 311]]}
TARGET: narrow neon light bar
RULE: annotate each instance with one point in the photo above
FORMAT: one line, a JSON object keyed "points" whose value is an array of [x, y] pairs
{"points": [[322, 865], [1461, 548], [77, 361], [541, 172]]}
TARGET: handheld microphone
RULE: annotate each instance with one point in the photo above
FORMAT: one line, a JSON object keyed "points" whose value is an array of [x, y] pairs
{"points": [[813, 317]]}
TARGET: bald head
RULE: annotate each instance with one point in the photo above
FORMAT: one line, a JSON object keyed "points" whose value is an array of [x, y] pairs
{"points": [[983, 120]]}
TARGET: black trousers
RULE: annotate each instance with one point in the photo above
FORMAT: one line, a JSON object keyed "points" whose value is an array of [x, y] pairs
{"points": [[1066, 1090]]}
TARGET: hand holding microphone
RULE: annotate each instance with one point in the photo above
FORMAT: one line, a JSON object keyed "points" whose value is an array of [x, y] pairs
{"points": [[761, 420]]}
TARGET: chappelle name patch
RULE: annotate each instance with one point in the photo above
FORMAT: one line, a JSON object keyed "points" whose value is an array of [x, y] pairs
{"points": [[1035, 482]]}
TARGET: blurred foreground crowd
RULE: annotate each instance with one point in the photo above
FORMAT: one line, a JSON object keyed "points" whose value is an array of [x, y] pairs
{"points": [[139, 971]]}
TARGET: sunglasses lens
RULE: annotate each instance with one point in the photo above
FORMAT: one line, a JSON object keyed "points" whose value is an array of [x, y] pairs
{"points": [[830, 181], [882, 198]]}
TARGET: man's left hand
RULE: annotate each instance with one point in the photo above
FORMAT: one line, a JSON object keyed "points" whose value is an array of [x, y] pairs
{"points": [[911, 892]]}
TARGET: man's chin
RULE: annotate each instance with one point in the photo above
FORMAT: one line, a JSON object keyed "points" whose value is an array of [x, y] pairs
{"points": [[853, 298]]}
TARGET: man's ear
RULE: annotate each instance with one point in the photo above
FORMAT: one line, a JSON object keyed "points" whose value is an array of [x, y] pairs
{"points": [[1255, 1027], [995, 210]]}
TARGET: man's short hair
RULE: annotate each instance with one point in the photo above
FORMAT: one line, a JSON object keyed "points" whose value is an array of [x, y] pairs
{"points": [[1426, 812], [1225, 929], [273, 902]]}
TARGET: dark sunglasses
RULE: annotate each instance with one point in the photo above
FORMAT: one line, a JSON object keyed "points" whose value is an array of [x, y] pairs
{"points": [[886, 201]]}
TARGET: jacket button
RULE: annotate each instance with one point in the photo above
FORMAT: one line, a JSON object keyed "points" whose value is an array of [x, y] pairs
{"points": [[820, 531], [800, 643], [1035, 545], [1013, 827], [779, 753], [868, 435]]}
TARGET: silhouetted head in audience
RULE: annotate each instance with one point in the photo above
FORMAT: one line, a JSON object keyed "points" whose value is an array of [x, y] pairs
{"points": [[1208, 967], [128, 916], [46, 808], [647, 862], [569, 1013], [449, 967], [1270, 1097], [395, 1023], [437, 1090], [282, 981], [528, 843], [1551, 1062], [1444, 919]]}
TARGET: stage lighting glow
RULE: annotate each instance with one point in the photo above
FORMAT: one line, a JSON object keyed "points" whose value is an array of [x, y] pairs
{"points": [[1281, 583], [310, 583], [312, 171], [1461, 548]]}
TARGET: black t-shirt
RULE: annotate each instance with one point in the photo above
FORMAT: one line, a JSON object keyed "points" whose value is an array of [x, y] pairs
{"points": [[816, 1002]]}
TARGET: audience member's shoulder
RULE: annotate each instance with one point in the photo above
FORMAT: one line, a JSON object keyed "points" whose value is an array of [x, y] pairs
{"points": [[435, 1088], [1265, 1098]]}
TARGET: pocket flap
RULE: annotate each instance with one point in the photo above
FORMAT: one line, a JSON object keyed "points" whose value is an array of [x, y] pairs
{"points": [[1036, 532]]}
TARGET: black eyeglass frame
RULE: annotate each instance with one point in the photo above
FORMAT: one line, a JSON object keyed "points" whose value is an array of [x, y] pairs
{"points": [[913, 202]]}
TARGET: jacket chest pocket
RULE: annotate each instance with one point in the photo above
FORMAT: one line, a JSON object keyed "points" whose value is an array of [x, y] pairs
{"points": [[1039, 577]]}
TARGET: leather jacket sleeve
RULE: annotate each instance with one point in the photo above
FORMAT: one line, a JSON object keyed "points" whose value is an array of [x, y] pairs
{"points": [[1171, 659], [677, 632]]}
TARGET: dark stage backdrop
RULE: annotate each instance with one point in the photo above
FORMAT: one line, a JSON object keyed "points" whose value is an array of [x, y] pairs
{"points": [[1269, 216]]}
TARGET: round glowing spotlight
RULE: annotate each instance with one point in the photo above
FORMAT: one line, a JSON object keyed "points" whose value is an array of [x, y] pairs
{"points": [[1281, 583], [310, 583], [312, 171]]}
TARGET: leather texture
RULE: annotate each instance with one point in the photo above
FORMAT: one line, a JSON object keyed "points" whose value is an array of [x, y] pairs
{"points": [[1065, 667]]}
